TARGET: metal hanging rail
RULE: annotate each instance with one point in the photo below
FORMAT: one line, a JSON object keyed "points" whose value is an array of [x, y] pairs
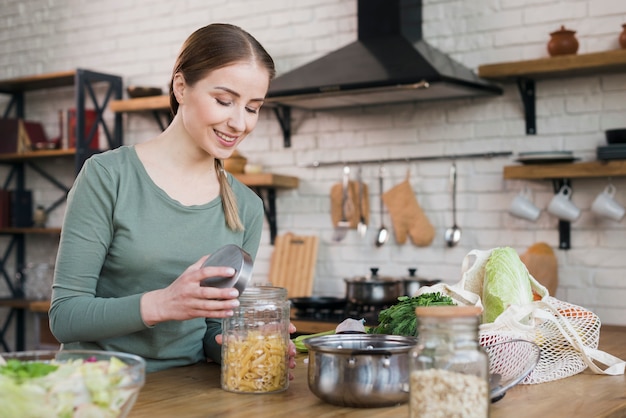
{"points": [[410, 159]]}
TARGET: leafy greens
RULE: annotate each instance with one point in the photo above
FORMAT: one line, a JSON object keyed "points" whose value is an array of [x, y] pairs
{"points": [[400, 319]]}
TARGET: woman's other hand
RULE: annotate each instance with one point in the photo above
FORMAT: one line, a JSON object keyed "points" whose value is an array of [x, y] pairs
{"points": [[186, 299]]}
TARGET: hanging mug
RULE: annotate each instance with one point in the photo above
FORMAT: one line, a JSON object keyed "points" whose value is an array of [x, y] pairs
{"points": [[562, 207], [605, 205]]}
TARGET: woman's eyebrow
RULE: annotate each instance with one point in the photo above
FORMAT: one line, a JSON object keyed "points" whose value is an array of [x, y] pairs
{"points": [[234, 93]]}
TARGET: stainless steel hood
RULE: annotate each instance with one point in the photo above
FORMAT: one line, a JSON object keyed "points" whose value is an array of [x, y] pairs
{"points": [[389, 63]]}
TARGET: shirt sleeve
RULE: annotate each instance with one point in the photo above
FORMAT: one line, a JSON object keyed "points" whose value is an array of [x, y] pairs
{"points": [[76, 314]]}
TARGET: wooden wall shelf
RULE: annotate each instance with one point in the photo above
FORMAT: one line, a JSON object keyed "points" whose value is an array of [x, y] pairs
{"points": [[525, 73], [560, 174], [38, 154], [141, 104], [566, 171], [569, 65]]}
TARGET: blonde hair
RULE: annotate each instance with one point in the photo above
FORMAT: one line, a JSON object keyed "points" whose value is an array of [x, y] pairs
{"points": [[209, 48], [229, 200]]}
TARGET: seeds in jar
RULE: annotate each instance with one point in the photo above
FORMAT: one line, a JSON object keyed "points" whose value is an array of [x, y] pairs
{"points": [[256, 363], [437, 393]]}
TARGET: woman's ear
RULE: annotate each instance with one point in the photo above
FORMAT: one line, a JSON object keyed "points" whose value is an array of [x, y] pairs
{"points": [[178, 87]]}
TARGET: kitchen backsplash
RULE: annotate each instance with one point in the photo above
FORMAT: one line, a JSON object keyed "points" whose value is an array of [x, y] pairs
{"points": [[139, 41]]}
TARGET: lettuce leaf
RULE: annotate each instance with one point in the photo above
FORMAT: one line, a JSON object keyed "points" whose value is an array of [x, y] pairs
{"points": [[507, 282]]}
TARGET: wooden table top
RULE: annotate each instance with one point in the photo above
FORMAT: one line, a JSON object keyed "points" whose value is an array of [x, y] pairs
{"points": [[194, 391]]}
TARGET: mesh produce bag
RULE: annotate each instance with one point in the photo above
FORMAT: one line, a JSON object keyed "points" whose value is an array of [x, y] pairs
{"points": [[567, 334]]}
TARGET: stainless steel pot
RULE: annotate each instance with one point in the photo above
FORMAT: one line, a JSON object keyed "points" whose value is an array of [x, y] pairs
{"points": [[373, 289], [360, 370], [412, 282]]}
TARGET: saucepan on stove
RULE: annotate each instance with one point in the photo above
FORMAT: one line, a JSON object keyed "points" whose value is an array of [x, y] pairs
{"points": [[373, 289], [412, 282]]}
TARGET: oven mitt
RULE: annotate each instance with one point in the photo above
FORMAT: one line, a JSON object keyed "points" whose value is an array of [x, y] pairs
{"points": [[407, 216]]}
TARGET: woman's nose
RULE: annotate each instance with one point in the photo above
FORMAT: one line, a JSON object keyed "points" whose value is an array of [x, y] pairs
{"points": [[237, 120]]}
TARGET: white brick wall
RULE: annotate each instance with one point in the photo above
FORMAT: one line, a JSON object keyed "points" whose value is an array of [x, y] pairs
{"points": [[139, 41]]}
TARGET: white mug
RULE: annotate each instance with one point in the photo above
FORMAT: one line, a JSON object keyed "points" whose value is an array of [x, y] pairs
{"points": [[523, 207], [562, 207], [606, 205]]}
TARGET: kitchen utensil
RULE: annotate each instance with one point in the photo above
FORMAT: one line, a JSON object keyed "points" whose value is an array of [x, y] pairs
{"points": [[292, 264], [71, 391], [453, 234], [362, 225], [233, 256], [373, 289], [383, 233], [509, 364], [360, 370], [341, 229]]}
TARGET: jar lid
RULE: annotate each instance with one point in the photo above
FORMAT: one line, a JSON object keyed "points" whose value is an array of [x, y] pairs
{"points": [[229, 256], [448, 311]]}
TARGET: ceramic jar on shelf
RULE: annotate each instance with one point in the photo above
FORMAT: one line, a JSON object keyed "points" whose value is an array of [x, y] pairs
{"points": [[562, 42], [622, 37]]}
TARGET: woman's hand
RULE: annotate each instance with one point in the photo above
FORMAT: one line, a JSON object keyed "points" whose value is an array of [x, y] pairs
{"points": [[186, 299]]}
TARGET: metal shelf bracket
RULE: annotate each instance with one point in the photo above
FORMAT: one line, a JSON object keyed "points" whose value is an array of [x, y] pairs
{"points": [[564, 226], [526, 87], [283, 114]]}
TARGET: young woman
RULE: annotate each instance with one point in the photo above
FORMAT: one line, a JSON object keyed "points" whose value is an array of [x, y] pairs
{"points": [[141, 219]]}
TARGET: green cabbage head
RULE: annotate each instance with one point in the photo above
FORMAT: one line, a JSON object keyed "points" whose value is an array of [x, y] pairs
{"points": [[507, 282]]}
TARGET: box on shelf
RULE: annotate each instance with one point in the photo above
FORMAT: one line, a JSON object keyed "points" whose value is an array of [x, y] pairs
{"points": [[5, 208], [19, 135], [21, 208], [91, 121]]}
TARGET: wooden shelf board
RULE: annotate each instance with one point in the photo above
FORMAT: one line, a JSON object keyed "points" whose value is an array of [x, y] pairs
{"points": [[268, 180], [35, 82], [561, 171], [11, 230], [38, 154], [556, 66], [140, 104]]}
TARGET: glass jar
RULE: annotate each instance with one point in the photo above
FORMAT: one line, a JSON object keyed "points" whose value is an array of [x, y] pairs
{"points": [[449, 368], [255, 347]]}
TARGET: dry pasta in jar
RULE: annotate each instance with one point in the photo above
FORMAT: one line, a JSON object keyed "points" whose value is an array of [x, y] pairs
{"points": [[256, 342]]}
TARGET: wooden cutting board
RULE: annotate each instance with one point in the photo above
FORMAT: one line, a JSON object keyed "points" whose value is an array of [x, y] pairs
{"points": [[292, 264], [541, 262]]}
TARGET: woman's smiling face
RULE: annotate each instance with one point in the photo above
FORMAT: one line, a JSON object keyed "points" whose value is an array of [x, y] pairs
{"points": [[221, 109]]}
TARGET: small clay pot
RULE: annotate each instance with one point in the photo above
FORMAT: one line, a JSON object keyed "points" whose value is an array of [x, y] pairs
{"points": [[622, 37], [562, 42]]}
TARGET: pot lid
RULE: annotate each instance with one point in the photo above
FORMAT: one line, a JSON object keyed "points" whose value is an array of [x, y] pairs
{"points": [[229, 256], [372, 278]]}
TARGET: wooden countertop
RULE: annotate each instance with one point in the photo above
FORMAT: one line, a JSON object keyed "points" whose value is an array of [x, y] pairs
{"points": [[194, 391]]}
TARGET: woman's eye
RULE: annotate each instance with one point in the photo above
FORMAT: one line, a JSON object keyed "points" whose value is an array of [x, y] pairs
{"points": [[223, 103], [252, 110]]}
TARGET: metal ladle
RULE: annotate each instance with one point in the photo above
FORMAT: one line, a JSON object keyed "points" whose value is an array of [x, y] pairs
{"points": [[453, 234], [383, 233]]}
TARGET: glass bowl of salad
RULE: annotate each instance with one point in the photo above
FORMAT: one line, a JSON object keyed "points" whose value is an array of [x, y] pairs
{"points": [[69, 383]]}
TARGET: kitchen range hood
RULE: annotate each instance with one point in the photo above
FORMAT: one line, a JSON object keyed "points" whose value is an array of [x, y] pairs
{"points": [[388, 63]]}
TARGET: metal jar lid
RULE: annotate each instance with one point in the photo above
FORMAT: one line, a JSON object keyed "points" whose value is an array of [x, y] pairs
{"points": [[229, 256]]}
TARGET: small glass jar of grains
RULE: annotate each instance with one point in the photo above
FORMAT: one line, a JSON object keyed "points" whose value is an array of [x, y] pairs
{"points": [[449, 368], [255, 347]]}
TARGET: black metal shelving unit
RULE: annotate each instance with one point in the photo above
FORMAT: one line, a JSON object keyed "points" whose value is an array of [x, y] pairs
{"points": [[84, 83]]}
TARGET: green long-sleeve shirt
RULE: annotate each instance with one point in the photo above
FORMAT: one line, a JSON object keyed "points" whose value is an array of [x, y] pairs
{"points": [[123, 236]]}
